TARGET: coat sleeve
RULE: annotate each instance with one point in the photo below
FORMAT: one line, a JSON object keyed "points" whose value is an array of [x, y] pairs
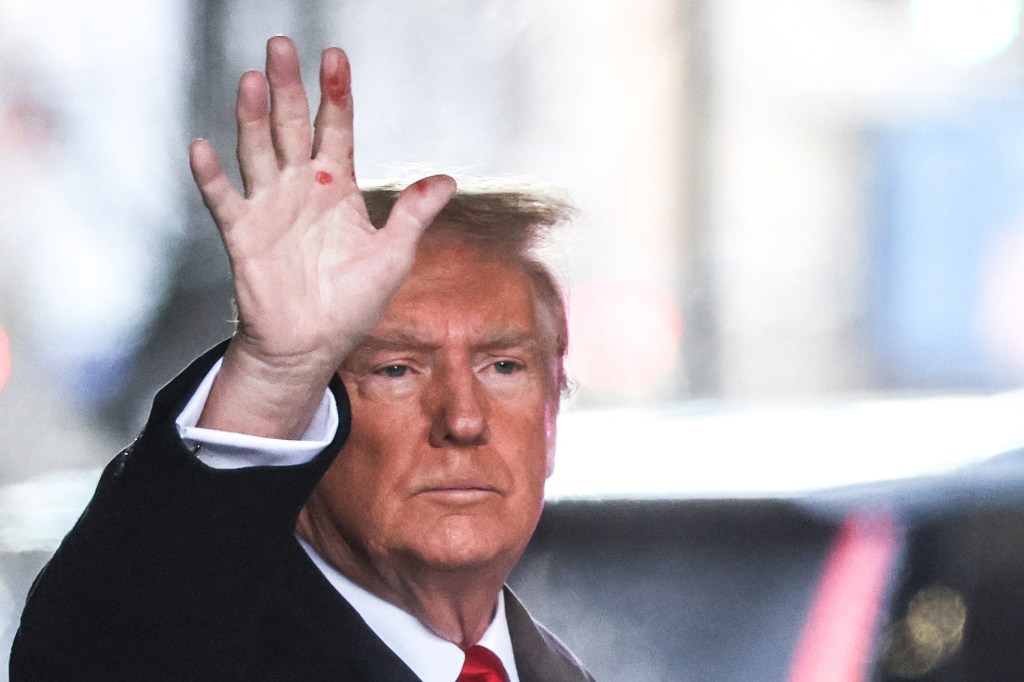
{"points": [[166, 573]]}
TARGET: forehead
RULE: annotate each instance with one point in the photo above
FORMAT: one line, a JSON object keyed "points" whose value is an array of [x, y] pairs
{"points": [[453, 284]]}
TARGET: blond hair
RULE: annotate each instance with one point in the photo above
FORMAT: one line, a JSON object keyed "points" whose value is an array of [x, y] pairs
{"points": [[513, 220]]}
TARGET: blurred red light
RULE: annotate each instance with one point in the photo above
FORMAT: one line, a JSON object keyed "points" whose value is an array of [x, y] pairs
{"points": [[5, 358]]}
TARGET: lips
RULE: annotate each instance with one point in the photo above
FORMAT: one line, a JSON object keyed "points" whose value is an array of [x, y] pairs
{"points": [[447, 487], [459, 489]]}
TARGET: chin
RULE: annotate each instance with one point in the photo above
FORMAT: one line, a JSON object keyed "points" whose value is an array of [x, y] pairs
{"points": [[459, 549]]}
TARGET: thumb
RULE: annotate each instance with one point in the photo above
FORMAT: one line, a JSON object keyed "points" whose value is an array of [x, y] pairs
{"points": [[417, 206]]}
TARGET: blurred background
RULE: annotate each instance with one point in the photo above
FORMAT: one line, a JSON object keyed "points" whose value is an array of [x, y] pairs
{"points": [[795, 284]]}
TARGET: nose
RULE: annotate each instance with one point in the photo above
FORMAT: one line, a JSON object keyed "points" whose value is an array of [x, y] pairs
{"points": [[459, 410]]}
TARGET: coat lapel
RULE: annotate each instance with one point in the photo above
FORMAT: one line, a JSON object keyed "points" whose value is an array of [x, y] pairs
{"points": [[540, 657], [328, 638]]}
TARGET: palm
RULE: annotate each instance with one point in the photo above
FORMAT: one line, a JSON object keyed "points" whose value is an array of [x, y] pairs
{"points": [[299, 254]]}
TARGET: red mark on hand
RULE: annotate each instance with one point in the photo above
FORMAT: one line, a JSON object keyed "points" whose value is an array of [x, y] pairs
{"points": [[336, 88], [324, 178], [419, 187]]}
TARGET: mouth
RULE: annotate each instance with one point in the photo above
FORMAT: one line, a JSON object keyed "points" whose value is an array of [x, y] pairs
{"points": [[459, 491]]}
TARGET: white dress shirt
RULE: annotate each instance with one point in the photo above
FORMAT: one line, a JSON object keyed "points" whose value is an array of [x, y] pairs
{"points": [[432, 658]]}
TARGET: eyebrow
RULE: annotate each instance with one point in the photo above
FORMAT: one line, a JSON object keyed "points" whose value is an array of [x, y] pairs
{"points": [[400, 340], [396, 340], [509, 338]]}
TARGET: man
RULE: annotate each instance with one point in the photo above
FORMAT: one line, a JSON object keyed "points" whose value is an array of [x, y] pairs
{"points": [[233, 540]]}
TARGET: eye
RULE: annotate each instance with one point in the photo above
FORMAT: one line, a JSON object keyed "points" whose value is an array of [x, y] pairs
{"points": [[394, 371], [507, 367]]}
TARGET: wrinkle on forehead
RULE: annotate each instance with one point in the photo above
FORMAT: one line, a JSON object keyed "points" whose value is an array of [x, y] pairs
{"points": [[442, 260]]}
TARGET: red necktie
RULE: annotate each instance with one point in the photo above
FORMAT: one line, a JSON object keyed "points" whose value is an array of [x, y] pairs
{"points": [[482, 665]]}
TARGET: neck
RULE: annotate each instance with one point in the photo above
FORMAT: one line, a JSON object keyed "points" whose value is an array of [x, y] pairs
{"points": [[457, 604]]}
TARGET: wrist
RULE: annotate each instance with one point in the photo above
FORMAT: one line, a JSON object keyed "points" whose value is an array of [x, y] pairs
{"points": [[269, 397]]}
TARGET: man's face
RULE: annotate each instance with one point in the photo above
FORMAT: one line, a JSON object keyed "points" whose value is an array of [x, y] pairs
{"points": [[453, 409]]}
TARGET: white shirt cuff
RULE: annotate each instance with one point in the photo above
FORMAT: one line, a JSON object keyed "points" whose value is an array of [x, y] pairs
{"points": [[228, 450]]}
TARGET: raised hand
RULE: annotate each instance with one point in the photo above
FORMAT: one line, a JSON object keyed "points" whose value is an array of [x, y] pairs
{"points": [[311, 274]]}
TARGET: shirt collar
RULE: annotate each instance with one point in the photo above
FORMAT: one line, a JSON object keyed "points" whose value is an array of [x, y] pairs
{"points": [[432, 658]]}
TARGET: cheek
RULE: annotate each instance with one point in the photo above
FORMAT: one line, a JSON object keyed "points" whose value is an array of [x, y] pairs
{"points": [[383, 413], [372, 465], [533, 433], [363, 489]]}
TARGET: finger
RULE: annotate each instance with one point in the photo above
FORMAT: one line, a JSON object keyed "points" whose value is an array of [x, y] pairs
{"points": [[417, 207], [224, 202], [256, 158], [332, 136], [289, 109]]}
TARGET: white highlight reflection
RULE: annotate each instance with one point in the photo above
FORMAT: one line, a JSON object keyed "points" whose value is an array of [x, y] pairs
{"points": [[966, 32]]}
